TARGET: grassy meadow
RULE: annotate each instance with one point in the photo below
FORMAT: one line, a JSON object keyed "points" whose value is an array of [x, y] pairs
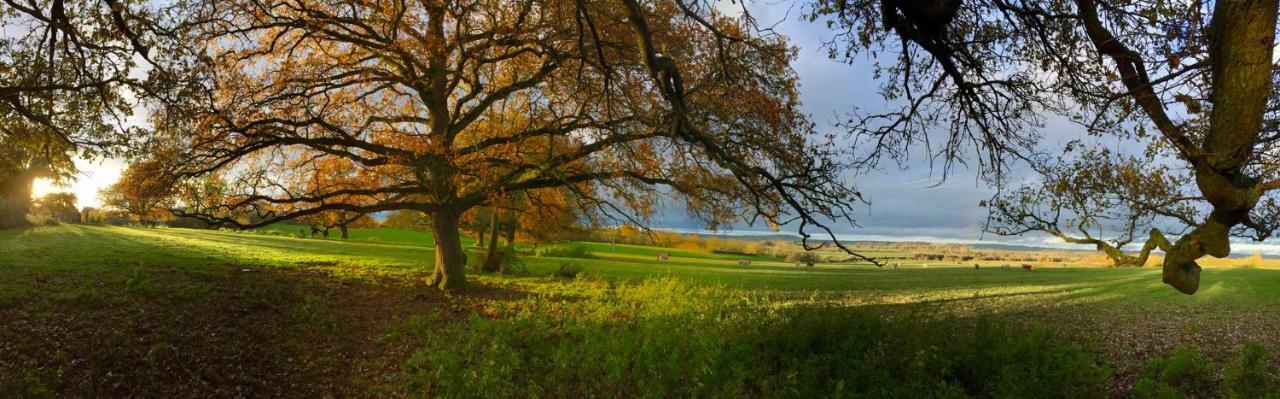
{"points": [[91, 310]]}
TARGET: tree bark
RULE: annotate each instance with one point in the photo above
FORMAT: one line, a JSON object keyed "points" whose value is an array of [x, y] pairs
{"points": [[493, 261], [15, 202], [511, 234], [451, 262], [343, 228], [1243, 34], [15, 212]]}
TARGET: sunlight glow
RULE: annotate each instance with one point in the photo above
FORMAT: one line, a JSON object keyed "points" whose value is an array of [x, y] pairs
{"points": [[93, 177], [42, 187]]}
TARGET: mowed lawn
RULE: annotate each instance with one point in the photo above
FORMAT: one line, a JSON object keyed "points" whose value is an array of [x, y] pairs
{"points": [[97, 309]]}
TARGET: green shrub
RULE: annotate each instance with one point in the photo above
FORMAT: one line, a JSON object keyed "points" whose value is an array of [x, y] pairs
{"points": [[568, 270], [28, 385], [564, 251], [1249, 375], [1183, 373], [803, 257], [41, 220], [668, 339]]}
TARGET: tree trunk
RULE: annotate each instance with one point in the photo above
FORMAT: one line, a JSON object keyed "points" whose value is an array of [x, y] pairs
{"points": [[480, 238], [511, 234], [1243, 34], [15, 201], [343, 228], [451, 262], [493, 261], [13, 212]]}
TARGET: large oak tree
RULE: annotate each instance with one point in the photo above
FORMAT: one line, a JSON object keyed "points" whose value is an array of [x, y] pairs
{"points": [[615, 97]]}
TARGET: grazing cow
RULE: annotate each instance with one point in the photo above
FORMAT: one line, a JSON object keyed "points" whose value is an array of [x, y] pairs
{"points": [[663, 255], [744, 262], [975, 266], [1006, 266], [1027, 267], [315, 231], [809, 263]]}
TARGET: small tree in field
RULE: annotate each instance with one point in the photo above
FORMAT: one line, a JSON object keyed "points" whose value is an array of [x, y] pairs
{"points": [[145, 191]]}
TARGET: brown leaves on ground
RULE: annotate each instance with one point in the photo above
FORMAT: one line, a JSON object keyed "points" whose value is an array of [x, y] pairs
{"points": [[248, 332]]}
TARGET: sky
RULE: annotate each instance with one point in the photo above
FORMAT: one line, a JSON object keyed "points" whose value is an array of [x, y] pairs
{"points": [[93, 176], [907, 203]]}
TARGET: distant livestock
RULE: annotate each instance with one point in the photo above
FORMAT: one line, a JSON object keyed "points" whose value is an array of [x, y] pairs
{"points": [[744, 262], [1028, 267], [663, 255]]}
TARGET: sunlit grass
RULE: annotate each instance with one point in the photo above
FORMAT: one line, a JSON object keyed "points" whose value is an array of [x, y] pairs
{"points": [[105, 274]]}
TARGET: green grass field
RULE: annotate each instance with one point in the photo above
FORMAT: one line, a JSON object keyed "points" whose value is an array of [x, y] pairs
{"points": [[95, 309]]}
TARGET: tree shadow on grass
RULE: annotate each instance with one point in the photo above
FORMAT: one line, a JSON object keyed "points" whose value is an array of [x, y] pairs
{"points": [[169, 331]]}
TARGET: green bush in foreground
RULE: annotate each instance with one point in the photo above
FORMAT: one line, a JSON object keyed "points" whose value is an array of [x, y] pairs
{"points": [[1249, 375], [666, 339], [1186, 373]]}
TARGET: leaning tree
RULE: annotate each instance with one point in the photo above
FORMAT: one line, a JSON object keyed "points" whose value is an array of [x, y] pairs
{"points": [[615, 98], [1195, 77], [1093, 196]]}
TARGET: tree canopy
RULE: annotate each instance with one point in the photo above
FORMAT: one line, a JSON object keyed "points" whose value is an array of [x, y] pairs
{"points": [[443, 107]]}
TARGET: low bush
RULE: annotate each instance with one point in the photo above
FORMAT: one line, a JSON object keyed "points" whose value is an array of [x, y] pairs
{"points": [[1249, 375], [1186, 373], [41, 220], [1183, 373], [564, 251], [803, 257], [568, 270]]}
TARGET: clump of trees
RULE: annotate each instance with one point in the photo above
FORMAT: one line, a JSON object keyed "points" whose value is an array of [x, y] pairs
{"points": [[56, 207], [806, 258]]}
